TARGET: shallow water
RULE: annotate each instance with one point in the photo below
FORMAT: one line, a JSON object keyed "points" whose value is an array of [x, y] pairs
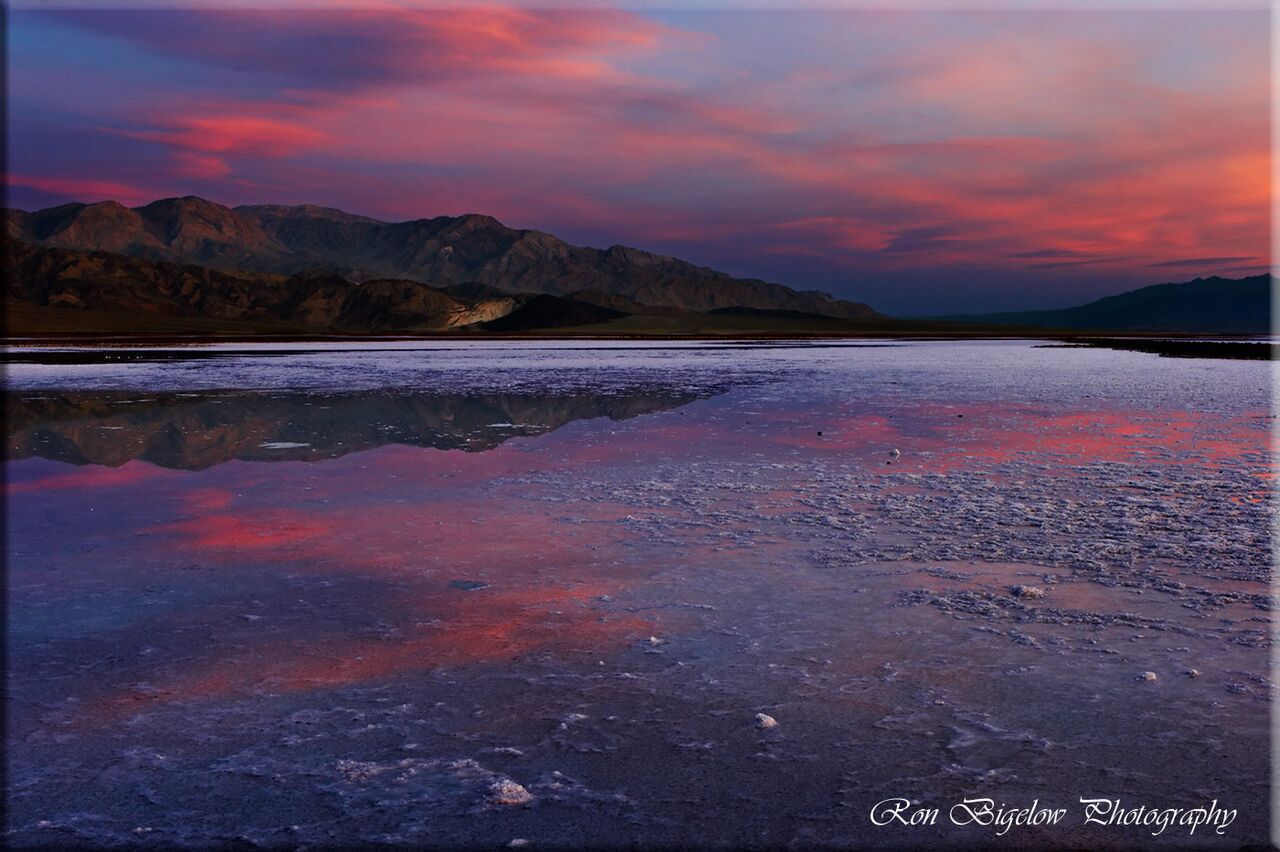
{"points": [[357, 594]]}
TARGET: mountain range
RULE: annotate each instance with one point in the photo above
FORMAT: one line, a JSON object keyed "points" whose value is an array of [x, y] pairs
{"points": [[190, 266], [1208, 305], [317, 247], [100, 282]]}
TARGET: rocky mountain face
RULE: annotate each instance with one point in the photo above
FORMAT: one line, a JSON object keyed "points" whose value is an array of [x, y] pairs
{"points": [[442, 252], [105, 281]]}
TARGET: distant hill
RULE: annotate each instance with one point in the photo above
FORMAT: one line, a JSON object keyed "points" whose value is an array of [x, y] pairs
{"points": [[443, 252], [1203, 306]]}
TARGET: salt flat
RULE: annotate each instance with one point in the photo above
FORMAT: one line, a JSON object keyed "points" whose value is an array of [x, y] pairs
{"points": [[467, 593]]}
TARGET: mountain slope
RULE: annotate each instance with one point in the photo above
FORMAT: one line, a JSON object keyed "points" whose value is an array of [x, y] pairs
{"points": [[105, 282], [1203, 306], [546, 311], [443, 252]]}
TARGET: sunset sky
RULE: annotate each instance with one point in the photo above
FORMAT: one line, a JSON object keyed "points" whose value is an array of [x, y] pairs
{"points": [[924, 161]]}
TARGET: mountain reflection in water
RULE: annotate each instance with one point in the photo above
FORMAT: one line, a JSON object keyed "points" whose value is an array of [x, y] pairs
{"points": [[944, 570], [187, 431]]}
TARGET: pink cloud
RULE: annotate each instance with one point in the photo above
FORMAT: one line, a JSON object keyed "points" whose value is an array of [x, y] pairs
{"points": [[202, 166], [381, 45], [228, 134], [85, 189], [1013, 136]]}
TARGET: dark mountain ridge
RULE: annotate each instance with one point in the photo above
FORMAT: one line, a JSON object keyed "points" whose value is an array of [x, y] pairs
{"points": [[100, 281], [1204, 306], [324, 269], [444, 251]]}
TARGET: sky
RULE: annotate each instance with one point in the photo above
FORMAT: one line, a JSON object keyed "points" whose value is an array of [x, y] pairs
{"points": [[924, 161]]}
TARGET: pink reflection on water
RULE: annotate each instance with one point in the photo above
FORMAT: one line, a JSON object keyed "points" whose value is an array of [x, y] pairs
{"points": [[426, 517], [129, 473], [261, 530], [544, 565], [935, 438], [454, 628]]}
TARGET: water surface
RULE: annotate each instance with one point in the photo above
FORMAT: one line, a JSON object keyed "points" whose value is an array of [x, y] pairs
{"points": [[356, 595]]}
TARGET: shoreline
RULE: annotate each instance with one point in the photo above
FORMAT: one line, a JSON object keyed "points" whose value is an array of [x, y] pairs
{"points": [[99, 349]]}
